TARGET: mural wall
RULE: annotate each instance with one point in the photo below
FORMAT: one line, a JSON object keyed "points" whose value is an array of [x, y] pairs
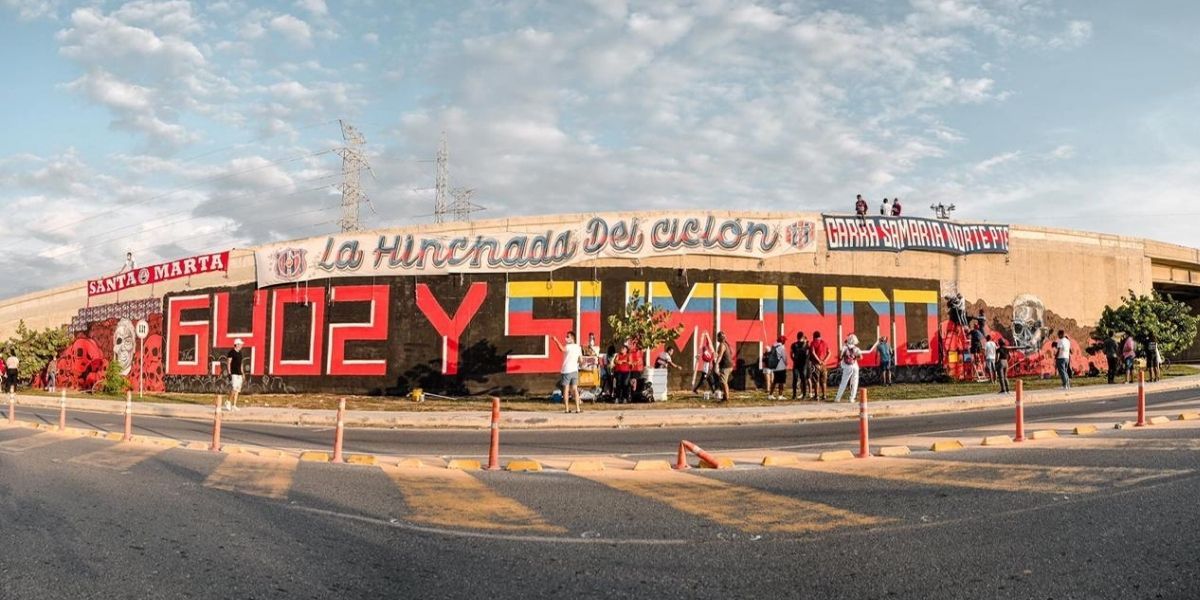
{"points": [[490, 332], [103, 334]]}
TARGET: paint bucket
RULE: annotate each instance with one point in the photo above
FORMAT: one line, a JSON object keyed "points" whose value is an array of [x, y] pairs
{"points": [[418, 395]]}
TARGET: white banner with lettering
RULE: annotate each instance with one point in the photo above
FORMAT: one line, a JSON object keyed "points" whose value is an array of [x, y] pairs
{"points": [[492, 251]]}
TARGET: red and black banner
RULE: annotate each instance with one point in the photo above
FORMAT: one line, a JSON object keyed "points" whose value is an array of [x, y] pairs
{"points": [[184, 267], [897, 234]]}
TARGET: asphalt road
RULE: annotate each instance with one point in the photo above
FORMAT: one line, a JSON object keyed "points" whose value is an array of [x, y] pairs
{"points": [[1106, 516], [643, 441]]}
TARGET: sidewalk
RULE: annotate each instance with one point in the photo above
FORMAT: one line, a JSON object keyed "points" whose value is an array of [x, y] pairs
{"points": [[609, 419]]}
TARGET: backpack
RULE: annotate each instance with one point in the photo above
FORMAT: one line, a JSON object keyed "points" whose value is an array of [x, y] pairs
{"points": [[771, 360], [849, 357], [706, 355]]}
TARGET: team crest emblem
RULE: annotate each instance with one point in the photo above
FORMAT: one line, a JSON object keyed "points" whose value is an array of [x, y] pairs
{"points": [[143, 276], [290, 263], [800, 234]]}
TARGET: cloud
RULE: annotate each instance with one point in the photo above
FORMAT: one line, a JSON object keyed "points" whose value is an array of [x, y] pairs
{"points": [[315, 7], [995, 161], [371, 38], [28, 10], [295, 30], [1076, 34]]}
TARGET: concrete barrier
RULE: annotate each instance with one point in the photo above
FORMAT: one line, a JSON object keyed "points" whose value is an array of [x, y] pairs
{"points": [[464, 464], [1044, 434], [523, 465], [833, 455], [946, 446], [996, 440], [894, 451], [1085, 430]]}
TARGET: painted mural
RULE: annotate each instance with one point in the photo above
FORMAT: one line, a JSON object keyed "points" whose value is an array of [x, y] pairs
{"points": [[105, 333], [1026, 326], [490, 333]]}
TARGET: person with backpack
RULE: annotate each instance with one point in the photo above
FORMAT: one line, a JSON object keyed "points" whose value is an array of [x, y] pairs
{"points": [[704, 367], [848, 363], [777, 363], [800, 369]]}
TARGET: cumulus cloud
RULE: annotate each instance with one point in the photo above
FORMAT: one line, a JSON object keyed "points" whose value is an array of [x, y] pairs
{"points": [[293, 29]]}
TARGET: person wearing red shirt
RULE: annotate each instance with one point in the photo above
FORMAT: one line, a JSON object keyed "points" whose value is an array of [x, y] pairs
{"points": [[820, 365], [860, 209], [896, 208], [637, 361], [623, 366]]}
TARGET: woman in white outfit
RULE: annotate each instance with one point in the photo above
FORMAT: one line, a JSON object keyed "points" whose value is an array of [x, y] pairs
{"points": [[850, 356]]}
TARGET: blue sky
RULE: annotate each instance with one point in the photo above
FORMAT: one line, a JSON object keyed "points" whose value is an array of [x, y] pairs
{"points": [[175, 127]]}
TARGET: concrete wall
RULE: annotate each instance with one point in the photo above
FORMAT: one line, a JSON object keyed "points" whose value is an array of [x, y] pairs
{"points": [[1070, 275]]}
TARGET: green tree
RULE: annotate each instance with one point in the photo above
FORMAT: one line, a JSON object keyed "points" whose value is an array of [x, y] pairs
{"points": [[643, 324], [114, 382], [35, 348], [1169, 320]]}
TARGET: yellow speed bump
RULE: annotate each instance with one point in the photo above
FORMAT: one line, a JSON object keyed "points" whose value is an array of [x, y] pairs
{"points": [[722, 463], [114, 436], [895, 451], [464, 464], [585, 466], [1159, 420], [1043, 434], [835, 455], [524, 465], [410, 463], [270, 453], [1085, 430], [946, 446], [314, 456], [997, 440], [1189, 416], [776, 460], [652, 465], [361, 459]]}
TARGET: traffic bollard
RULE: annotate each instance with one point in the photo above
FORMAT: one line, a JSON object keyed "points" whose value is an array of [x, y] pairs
{"points": [[494, 450], [864, 446], [339, 431], [681, 460], [128, 437], [62, 411], [216, 441], [704, 457], [1020, 437], [1141, 422]]}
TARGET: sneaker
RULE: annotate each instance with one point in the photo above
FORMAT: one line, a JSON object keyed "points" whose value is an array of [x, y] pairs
{"points": [[770, 397]]}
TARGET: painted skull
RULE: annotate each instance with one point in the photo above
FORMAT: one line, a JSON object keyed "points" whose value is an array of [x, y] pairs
{"points": [[123, 338], [1027, 321]]}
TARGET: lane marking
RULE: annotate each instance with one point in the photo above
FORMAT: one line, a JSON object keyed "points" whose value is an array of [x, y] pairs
{"points": [[118, 457], [254, 475], [453, 498], [30, 442], [744, 508], [998, 477]]}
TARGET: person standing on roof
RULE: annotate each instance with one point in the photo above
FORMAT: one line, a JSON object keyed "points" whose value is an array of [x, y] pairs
{"points": [[896, 210], [860, 209]]}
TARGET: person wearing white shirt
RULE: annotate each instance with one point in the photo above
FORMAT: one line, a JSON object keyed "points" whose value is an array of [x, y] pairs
{"points": [[1063, 360], [989, 357], [12, 365], [569, 373]]}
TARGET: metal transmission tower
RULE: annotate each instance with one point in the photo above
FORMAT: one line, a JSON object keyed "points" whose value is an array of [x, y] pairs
{"points": [[353, 162], [450, 204], [441, 198]]}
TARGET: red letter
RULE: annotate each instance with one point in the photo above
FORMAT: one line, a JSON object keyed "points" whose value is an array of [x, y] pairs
{"points": [[316, 331], [177, 330], [450, 328], [376, 329], [255, 339]]}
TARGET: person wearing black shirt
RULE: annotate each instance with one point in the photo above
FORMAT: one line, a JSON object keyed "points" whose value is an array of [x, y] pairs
{"points": [[234, 365], [1002, 367], [1110, 353], [800, 371]]}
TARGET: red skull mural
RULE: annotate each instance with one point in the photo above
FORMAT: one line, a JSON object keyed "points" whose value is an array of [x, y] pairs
{"points": [[151, 371], [104, 334]]}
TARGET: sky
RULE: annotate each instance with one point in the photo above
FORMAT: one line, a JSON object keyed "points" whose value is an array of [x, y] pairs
{"points": [[172, 128]]}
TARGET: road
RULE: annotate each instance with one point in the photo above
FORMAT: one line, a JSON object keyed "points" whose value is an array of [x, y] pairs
{"points": [[1109, 515], [643, 441]]}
